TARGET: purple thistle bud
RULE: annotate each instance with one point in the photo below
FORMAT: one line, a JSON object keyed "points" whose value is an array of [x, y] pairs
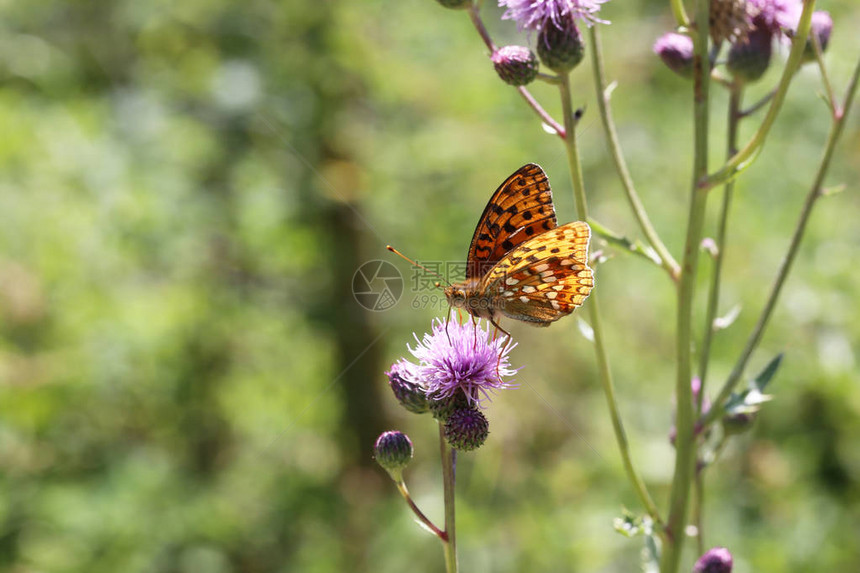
{"points": [[460, 357], [560, 46], [392, 451], [516, 65], [455, 4], [676, 51], [410, 394], [715, 560], [537, 14], [466, 429], [748, 60], [821, 27]]}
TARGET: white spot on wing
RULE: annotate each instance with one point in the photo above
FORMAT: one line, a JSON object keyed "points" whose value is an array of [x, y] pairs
{"points": [[547, 273], [551, 295], [555, 305], [524, 299], [508, 293], [528, 288], [558, 287], [511, 281], [541, 268]]}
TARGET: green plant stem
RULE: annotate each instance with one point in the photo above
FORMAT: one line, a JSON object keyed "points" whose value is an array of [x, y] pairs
{"points": [[685, 442], [698, 511], [744, 158], [734, 117], [449, 461], [680, 14], [603, 95], [401, 487], [594, 312], [839, 115]]}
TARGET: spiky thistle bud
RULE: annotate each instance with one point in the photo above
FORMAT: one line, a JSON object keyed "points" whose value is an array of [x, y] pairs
{"points": [[392, 451], [443, 407], [715, 560], [560, 46], [466, 429], [748, 60], [676, 51], [410, 395], [516, 65]]}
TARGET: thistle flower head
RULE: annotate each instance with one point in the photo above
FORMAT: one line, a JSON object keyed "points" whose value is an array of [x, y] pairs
{"points": [[536, 14], [393, 451], [466, 429], [464, 357], [776, 16], [516, 65], [676, 51], [408, 392], [715, 560], [749, 60]]}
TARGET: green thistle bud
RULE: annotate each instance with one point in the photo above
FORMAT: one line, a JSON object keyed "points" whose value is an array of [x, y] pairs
{"points": [[392, 451], [749, 59], [466, 429], [560, 49], [676, 51], [516, 65], [455, 4]]}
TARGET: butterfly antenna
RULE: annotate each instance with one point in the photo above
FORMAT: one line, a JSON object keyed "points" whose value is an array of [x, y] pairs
{"points": [[414, 264]]}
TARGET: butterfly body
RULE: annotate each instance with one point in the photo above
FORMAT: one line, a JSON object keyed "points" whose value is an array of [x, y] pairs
{"points": [[521, 264]]}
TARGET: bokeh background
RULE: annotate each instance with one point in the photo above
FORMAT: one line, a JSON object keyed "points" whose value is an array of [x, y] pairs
{"points": [[188, 385]]}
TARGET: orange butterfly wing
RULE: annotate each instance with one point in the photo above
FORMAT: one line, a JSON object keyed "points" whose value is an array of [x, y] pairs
{"points": [[544, 278], [521, 208]]}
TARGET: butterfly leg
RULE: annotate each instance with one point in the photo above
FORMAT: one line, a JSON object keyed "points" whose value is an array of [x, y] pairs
{"points": [[447, 320], [505, 347]]}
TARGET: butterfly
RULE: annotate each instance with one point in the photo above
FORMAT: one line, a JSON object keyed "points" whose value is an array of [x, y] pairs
{"points": [[521, 264]]}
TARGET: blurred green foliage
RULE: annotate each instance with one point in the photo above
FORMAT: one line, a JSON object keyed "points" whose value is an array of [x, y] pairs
{"points": [[187, 385]]}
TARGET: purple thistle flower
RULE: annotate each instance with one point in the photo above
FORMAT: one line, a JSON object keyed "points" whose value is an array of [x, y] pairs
{"points": [[676, 51], [534, 14], [715, 560], [776, 16], [460, 357]]}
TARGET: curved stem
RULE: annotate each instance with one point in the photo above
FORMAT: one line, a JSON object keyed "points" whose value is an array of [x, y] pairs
{"points": [[475, 16], [714, 294], [685, 443], [680, 14], [839, 115], [449, 466], [401, 487], [744, 157], [542, 114], [594, 312], [666, 259]]}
